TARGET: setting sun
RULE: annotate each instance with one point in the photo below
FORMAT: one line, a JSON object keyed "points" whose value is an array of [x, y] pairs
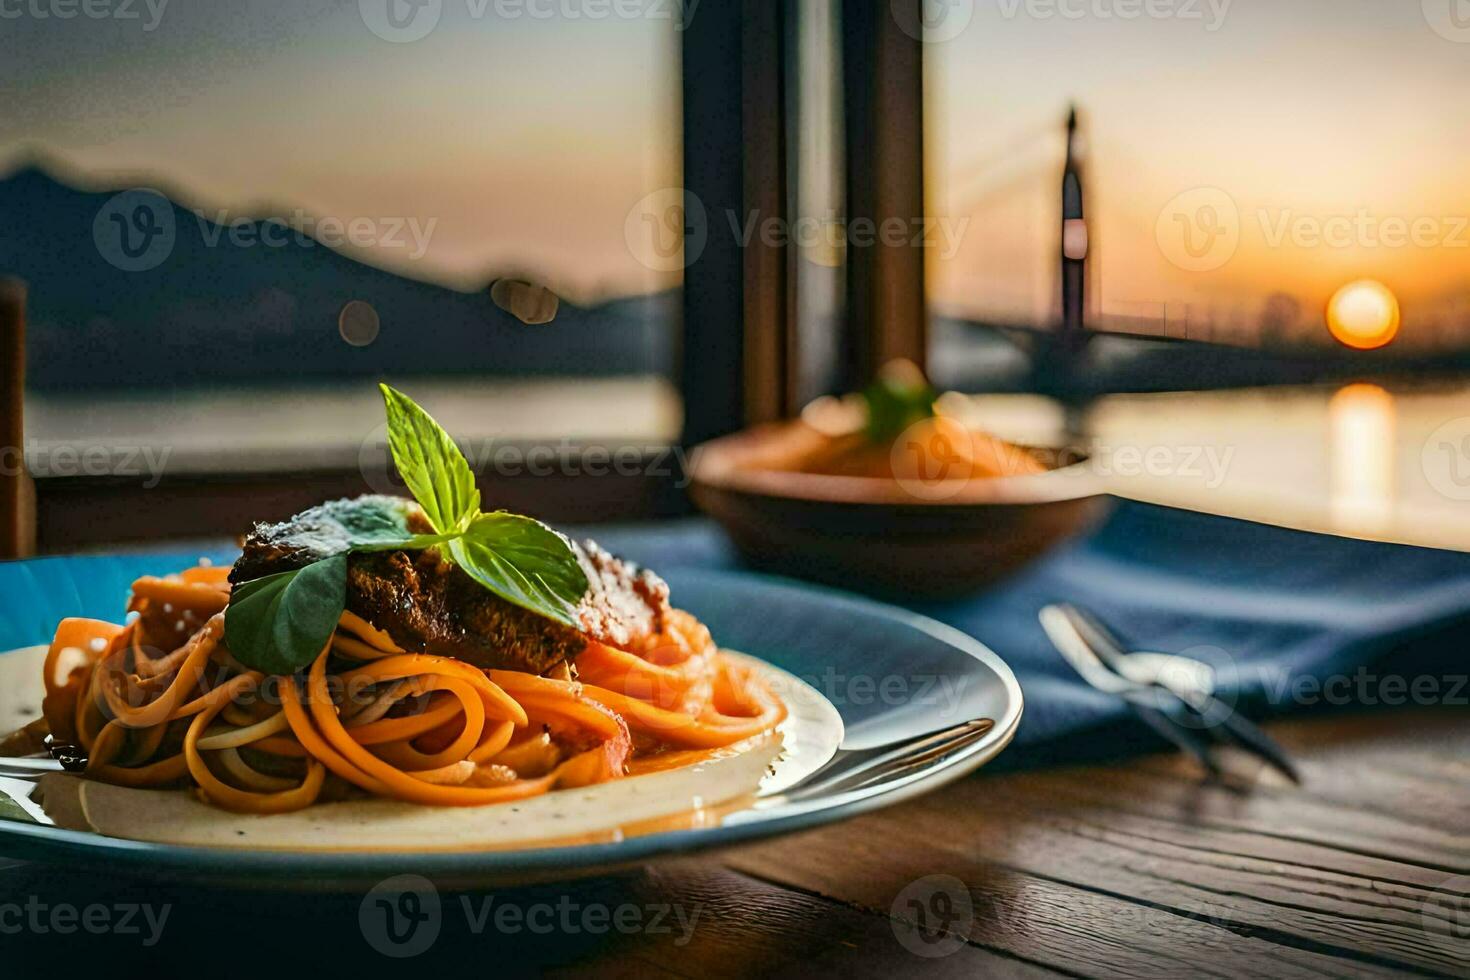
{"points": [[1363, 314]]}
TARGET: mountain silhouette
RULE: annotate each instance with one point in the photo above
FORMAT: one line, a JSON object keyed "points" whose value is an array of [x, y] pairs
{"points": [[116, 300]]}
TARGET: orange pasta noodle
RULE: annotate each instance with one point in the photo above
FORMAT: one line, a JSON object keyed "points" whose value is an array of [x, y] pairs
{"points": [[392, 723], [246, 801], [67, 670]]}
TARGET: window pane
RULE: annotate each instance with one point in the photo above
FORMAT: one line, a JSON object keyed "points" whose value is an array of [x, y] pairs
{"points": [[1244, 162], [816, 139], [308, 196]]}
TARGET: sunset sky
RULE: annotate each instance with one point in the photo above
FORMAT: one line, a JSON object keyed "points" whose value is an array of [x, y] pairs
{"points": [[1306, 109], [530, 140]]}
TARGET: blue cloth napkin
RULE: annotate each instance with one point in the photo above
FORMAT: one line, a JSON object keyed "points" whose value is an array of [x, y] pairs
{"points": [[1290, 620]]}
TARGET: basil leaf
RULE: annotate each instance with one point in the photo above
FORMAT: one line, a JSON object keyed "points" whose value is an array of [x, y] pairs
{"points": [[339, 526], [414, 542], [896, 402], [430, 463], [278, 624], [367, 520], [524, 562]]}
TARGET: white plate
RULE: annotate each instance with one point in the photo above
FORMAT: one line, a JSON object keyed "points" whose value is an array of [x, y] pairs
{"points": [[890, 675]]}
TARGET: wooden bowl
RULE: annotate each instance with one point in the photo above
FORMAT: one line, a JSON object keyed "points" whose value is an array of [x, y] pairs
{"points": [[881, 535]]}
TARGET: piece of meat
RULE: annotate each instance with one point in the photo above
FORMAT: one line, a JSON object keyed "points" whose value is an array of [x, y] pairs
{"points": [[428, 605], [325, 530]]}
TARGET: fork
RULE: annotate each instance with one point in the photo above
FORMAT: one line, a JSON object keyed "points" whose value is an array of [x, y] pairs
{"points": [[1141, 679], [848, 769], [854, 769], [31, 767], [1191, 682]]}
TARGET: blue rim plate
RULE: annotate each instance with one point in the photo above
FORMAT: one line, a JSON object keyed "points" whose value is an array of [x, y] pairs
{"points": [[890, 674]]}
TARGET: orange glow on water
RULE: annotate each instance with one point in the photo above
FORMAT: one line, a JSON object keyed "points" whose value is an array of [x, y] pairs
{"points": [[1362, 419]]}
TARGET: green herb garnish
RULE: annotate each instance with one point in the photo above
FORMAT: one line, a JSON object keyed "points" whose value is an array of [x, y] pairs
{"points": [[898, 399], [280, 623], [431, 464], [522, 561]]}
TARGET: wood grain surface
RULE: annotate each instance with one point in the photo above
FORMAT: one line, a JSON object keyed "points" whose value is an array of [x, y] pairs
{"points": [[1132, 870]]}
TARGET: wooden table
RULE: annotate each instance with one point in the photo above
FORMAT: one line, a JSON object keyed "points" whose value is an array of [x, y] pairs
{"points": [[1136, 869]]}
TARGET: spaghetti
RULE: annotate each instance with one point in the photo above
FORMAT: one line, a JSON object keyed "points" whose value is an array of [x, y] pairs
{"points": [[160, 702]]}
